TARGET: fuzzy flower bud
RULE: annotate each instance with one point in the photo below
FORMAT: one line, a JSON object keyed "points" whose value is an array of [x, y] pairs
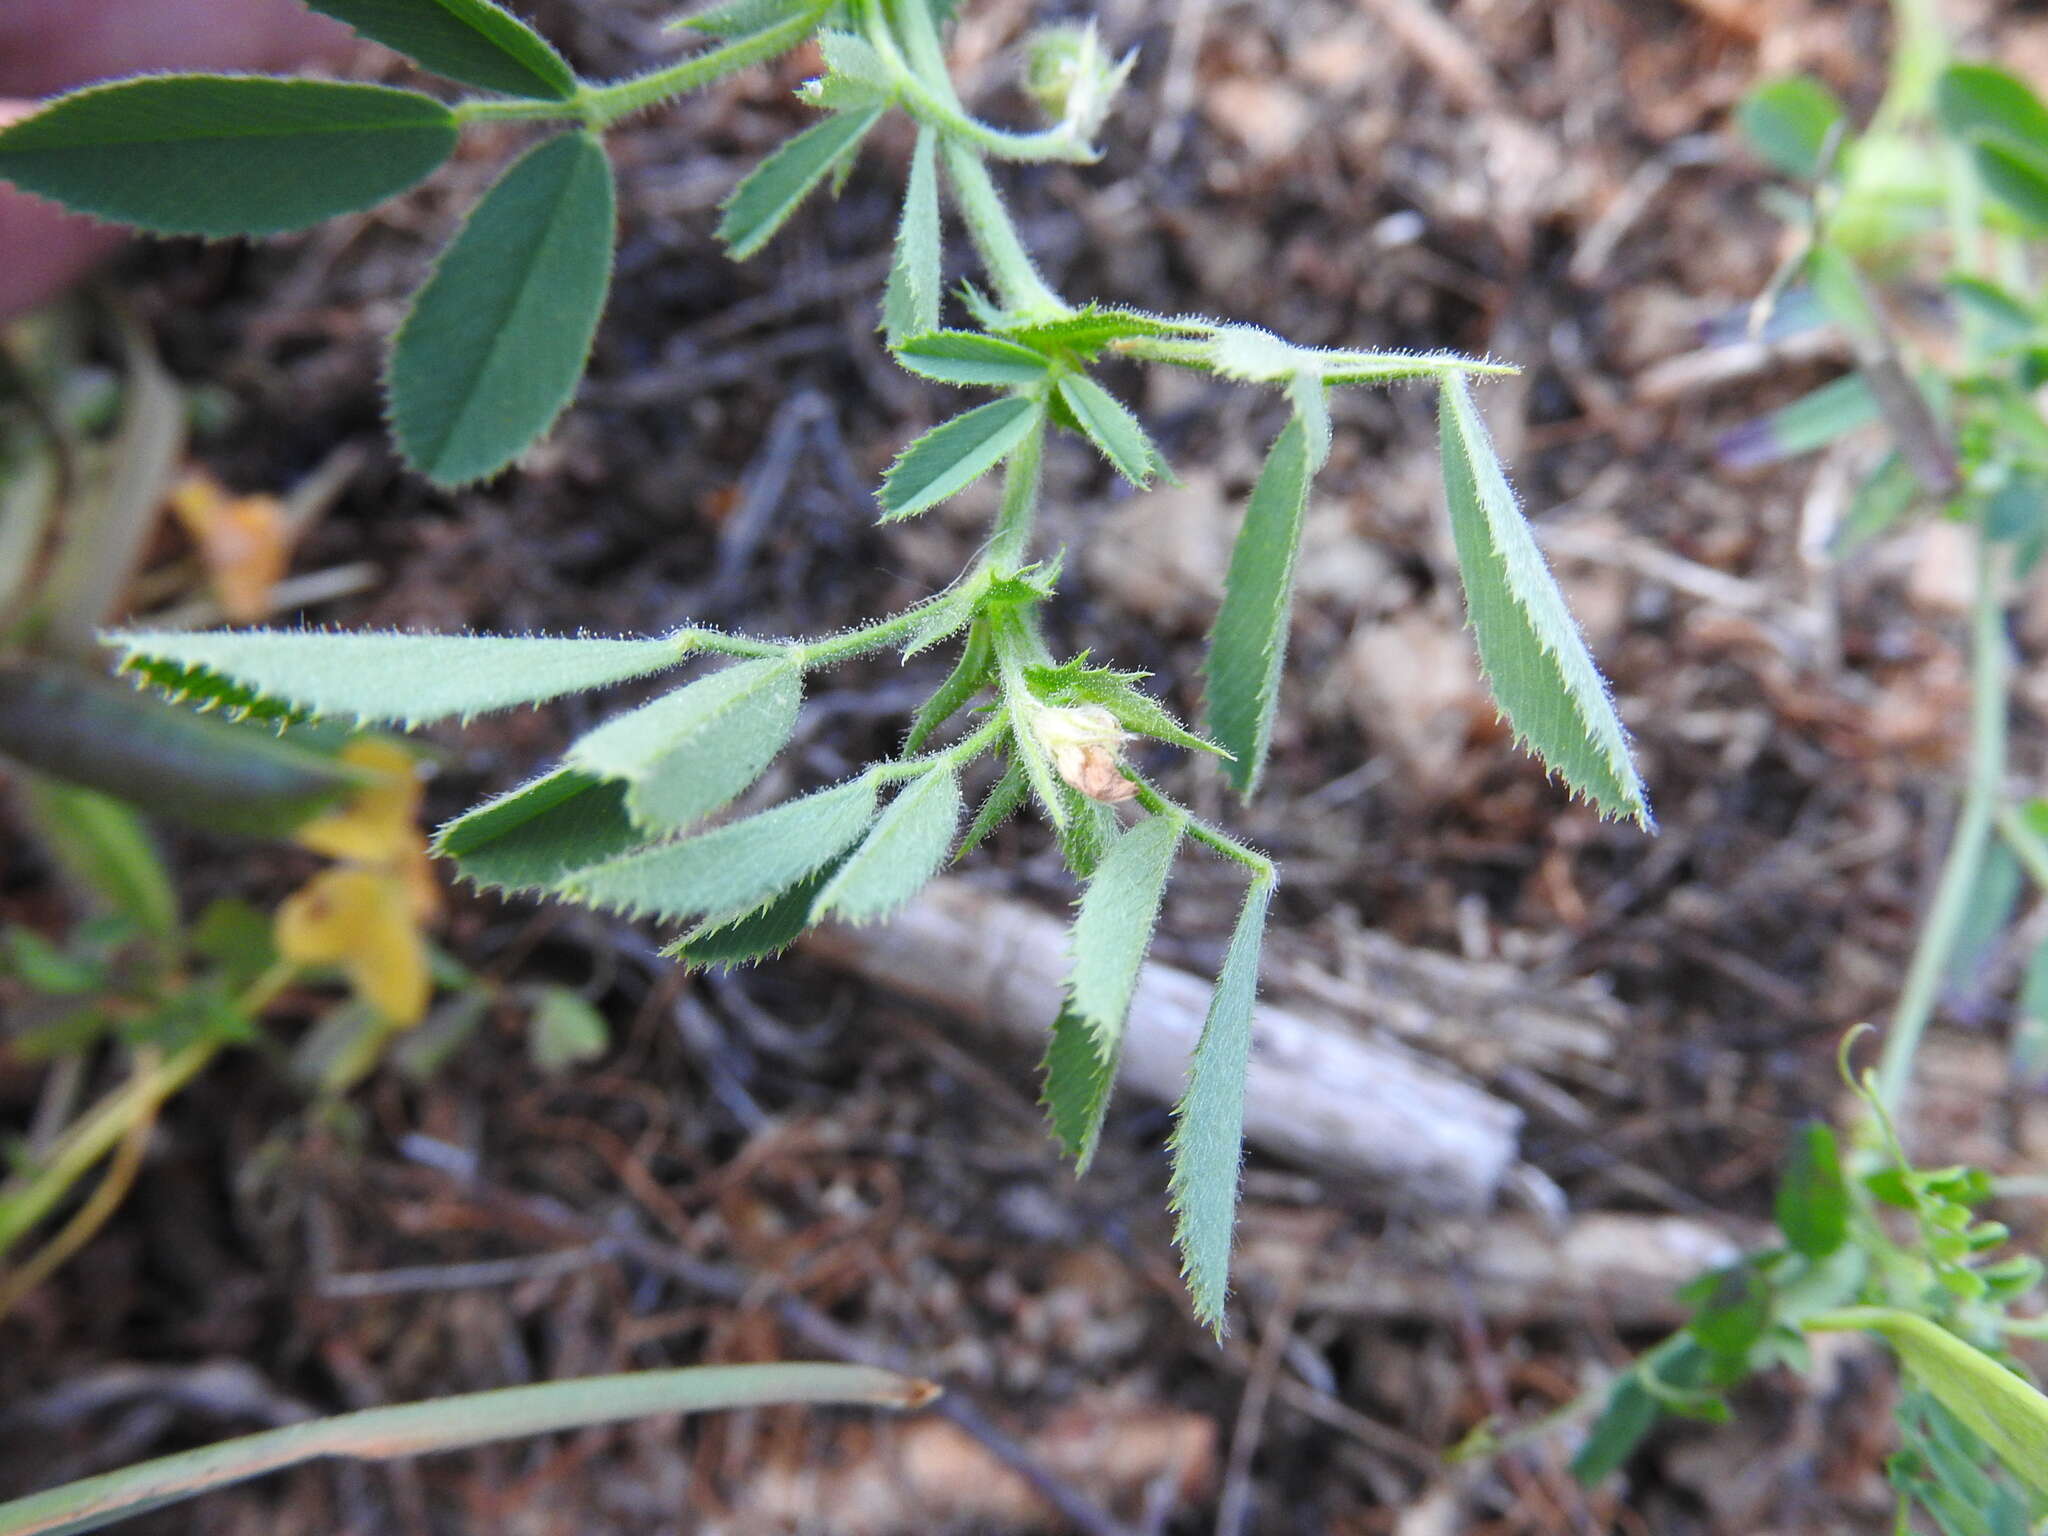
{"points": [[1085, 743], [1072, 79]]}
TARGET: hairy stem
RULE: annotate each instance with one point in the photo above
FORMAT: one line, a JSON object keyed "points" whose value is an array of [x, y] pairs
{"points": [[1018, 286]]}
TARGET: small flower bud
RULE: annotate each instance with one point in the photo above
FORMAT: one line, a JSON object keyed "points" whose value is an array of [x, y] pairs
{"points": [[1072, 79], [1085, 743]]}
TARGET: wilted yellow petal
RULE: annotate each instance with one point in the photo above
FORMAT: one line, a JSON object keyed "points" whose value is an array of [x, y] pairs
{"points": [[243, 541], [326, 919], [378, 824], [363, 921]]}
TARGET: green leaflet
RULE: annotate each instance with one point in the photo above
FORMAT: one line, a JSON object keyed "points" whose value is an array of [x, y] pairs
{"points": [[106, 854], [1085, 332], [900, 854], [736, 867], [771, 191], [955, 454], [472, 41], [1114, 927], [1004, 798], [739, 18], [1997, 1405], [1812, 1206], [1791, 122], [1248, 647], [691, 751], [1208, 1127], [968, 677], [758, 934], [1980, 100], [1542, 676], [910, 301], [226, 154], [565, 1030], [1078, 1082], [2016, 177], [1111, 427], [528, 838], [971, 358], [495, 343], [389, 679]]}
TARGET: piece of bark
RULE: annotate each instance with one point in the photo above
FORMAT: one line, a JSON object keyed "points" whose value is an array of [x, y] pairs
{"points": [[1318, 1093]]}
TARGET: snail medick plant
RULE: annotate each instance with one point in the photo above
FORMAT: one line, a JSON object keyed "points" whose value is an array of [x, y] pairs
{"points": [[491, 352]]}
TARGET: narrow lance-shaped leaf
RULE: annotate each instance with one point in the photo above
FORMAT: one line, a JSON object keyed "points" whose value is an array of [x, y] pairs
{"points": [[1111, 427], [1208, 1132], [1113, 929], [1542, 675], [474, 1418], [1005, 797], [386, 679], [528, 838], [735, 868], [900, 854], [955, 454], [761, 203], [690, 752], [1079, 1079], [759, 934], [967, 678], [1248, 647], [910, 301], [495, 344], [472, 41], [969, 358], [226, 154]]}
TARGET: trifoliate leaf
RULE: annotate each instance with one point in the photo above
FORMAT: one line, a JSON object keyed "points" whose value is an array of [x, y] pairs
{"points": [[1111, 427], [761, 203], [1542, 675], [955, 454], [226, 154], [385, 679], [691, 751], [733, 868], [910, 301], [1208, 1126], [1248, 647], [472, 41], [528, 838], [900, 854], [496, 342]]}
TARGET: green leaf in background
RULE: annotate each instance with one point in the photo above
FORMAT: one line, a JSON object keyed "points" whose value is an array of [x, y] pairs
{"points": [[1111, 427], [1079, 1079], [226, 154], [528, 838], [1542, 675], [761, 203], [734, 869], [2004, 1410], [1812, 421], [1113, 929], [1812, 1207], [900, 854], [691, 751], [970, 358], [1974, 101], [105, 853], [955, 454], [2016, 177], [496, 341], [1791, 122], [472, 41], [1887, 494], [565, 1030], [910, 301], [1208, 1124], [2006, 318], [761, 933], [1248, 647], [389, 679], [451, 1423]]}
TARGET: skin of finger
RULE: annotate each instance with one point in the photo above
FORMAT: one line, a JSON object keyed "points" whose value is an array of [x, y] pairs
{"points": [[49, 45]]}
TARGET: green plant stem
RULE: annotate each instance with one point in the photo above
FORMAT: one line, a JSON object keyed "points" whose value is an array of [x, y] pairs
{"points": [[957, 756], [908, 41], [1009, 547], [1981, 796], [1262, 868], [1018, 286]]}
